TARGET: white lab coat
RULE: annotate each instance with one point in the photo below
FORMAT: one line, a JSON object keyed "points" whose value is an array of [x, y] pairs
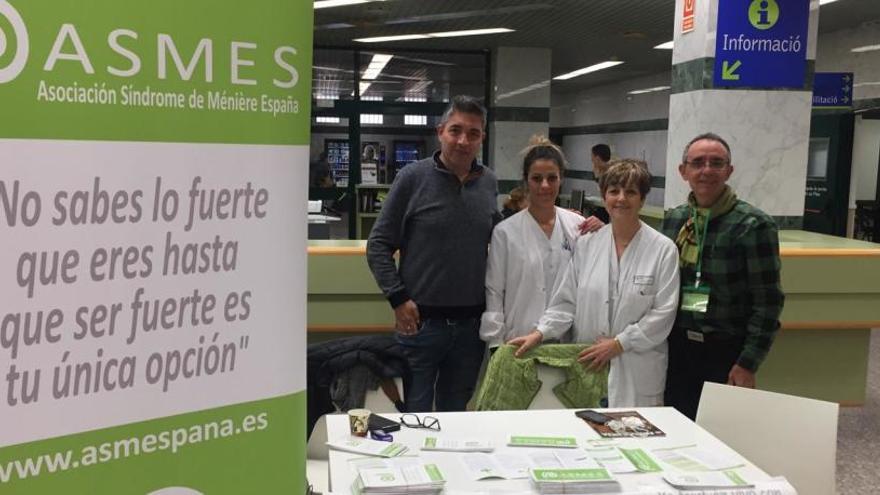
{"points": [[634, 300], [518, 287]]}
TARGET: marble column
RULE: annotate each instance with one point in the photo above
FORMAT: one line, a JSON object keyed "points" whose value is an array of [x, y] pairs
{"points": [[768, 129], [519, 108]]}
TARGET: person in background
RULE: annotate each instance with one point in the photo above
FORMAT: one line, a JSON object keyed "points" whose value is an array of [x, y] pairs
{"points": [[530, 250], [439, 214], [731, 291], [600, 155], [516, 201], [319, 172], [620, 293]]}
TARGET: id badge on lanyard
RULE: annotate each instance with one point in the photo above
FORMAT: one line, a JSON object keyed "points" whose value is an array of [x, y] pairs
{"points": [[695, 298]]}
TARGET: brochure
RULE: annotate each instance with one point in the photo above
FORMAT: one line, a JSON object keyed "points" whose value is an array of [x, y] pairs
{"points": [[643, 461], [417, 479], [366, 446], [533, 441], [706, 481], [578, 480], [480, 466], [457, 445], [776, 486], [691, 458], [625, 424], [513, 465], [623, 460]]}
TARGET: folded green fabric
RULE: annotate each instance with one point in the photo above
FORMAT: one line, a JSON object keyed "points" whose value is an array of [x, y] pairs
{"points": [[511, 383]]}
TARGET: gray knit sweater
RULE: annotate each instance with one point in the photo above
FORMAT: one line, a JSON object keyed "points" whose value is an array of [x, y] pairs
{"points": [[442, 228]]}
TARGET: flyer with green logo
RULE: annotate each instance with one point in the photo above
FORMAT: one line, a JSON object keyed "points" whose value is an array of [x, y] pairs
{"points": [[539, 441], [153, 217]]}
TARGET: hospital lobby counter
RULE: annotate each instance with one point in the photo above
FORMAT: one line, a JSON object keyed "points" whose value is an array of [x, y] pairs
{"points": [[832, 291]]}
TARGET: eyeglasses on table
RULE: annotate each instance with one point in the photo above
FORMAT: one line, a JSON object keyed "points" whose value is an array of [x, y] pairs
{"points": [[411, 420]]}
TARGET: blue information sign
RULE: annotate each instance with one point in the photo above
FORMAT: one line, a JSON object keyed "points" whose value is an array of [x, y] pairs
{"points": [[761, 43], [832, 89]]}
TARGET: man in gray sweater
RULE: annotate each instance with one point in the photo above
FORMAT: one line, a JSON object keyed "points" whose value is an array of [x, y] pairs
{"points": [[439, 214]]}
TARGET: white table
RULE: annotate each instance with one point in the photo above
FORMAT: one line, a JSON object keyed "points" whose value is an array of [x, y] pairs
{"points": [[497, 425]]}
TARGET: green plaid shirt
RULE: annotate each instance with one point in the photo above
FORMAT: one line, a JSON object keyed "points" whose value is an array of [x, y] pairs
{"points": [[741, 267]]}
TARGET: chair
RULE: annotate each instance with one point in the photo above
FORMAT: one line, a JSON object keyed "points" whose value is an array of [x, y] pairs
{"points": [[782, 434]]}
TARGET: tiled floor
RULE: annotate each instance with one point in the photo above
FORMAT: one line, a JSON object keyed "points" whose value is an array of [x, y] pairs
{"points": [[858, 436]]}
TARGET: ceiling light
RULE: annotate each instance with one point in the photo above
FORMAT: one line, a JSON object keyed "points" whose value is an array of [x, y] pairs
{"points": [[866, 48], [425, 61], [525, 89], [587, 70], [323, 4], [449, 16], [379, 61], [665, 46], [469, 32], [823, 2], [334, 25], [380, 39], [648, 90], [362, 87], [863, 84], [441, 34]]}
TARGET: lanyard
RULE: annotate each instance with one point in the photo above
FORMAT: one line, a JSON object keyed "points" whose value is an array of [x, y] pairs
{"points": [[701, 241]]}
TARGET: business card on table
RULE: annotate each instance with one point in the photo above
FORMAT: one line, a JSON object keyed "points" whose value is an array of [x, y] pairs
{"points": [[533, 441]]}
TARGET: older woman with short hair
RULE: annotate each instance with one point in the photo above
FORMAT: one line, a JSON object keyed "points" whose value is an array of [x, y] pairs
{"points": [[620, 294]]}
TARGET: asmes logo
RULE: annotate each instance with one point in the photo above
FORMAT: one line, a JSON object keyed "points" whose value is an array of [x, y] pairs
{"points": [[69, 46], [19, 30]]}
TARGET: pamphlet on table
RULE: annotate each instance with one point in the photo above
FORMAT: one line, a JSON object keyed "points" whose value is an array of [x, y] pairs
{"points": [[456, 444], [365, 446], [416, 479], [513, 465], [538, 441], [576, 480], [624, 424], [691, 458]]}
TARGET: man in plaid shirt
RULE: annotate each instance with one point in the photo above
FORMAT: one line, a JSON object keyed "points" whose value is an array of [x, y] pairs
{"points": [[731, 297]]}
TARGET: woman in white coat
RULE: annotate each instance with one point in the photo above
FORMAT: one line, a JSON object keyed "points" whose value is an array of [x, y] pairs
{"points": [[620, 293], [530, 250]]}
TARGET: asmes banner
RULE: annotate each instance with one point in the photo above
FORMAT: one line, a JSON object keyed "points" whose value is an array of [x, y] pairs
{"points": [[153, 185]]}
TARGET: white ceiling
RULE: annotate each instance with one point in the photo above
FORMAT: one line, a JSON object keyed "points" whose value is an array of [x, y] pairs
{"points": [[579, 32]]}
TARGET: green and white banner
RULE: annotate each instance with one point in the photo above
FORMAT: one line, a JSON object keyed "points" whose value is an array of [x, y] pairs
{"points": [[153, 185]]}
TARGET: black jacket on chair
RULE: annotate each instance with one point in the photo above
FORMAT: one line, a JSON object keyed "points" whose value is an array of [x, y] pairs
{"points": [[326, 360]]}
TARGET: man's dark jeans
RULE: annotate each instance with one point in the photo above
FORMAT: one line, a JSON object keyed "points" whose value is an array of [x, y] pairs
{"points": [[444, 357]]}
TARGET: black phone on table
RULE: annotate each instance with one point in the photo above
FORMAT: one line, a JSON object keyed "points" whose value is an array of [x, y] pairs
{"points": [[382, 423], [593, 416]]}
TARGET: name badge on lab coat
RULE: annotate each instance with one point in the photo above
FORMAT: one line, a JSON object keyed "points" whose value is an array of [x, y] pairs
{"points": [[643, 280]]}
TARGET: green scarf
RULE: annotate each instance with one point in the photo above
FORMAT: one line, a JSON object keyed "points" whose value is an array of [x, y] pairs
{"points": [[687, 240]]}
